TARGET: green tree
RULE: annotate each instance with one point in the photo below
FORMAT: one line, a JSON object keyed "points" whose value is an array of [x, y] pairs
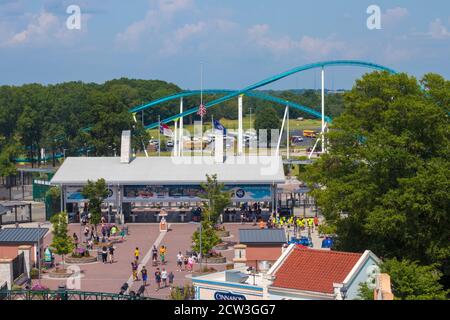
{"points": [[411, 281], [62, 243], [209, 238], [384, 183], [266, 118], [96, 193], [218, 199], [8, 152], [365, 292]]}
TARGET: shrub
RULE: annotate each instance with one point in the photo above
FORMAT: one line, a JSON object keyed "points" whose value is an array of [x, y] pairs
{"points": [[34, 273]]}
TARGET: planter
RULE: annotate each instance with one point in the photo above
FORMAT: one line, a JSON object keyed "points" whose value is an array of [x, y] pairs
{"points": [[216, 260], [61, 273], [100, 245], [221, 246], [223, 233], [81, 260]]}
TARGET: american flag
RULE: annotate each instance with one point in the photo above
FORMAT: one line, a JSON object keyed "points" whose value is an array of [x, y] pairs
{"points": [[201, 111]]}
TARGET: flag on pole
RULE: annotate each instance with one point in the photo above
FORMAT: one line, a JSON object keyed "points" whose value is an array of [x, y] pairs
{"points": [[165, 130], [219, 126], [202, 110]]}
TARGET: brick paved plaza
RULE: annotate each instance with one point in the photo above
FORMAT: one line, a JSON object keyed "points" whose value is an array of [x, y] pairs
{"points": [[101, 277]]}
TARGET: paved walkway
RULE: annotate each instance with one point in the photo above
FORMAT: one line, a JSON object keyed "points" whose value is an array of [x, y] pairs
{"points": [[110, 277]]}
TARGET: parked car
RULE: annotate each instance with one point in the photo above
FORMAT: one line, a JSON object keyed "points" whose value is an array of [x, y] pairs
{"points": [[295, 140], [169, 143]]}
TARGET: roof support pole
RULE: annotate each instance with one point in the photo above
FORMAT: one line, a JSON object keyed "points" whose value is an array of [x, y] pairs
{"points": [[287, 132], [323, 110], [240, 128], [180, 143], [175, 140], [277, 153]]}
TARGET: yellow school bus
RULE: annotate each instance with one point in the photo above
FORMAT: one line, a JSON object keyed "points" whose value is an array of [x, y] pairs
{"points": [[309, 133]]}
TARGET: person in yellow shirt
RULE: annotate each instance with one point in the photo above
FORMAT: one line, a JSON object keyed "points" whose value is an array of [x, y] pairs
{"points": [[136, 254], [162, 254]]}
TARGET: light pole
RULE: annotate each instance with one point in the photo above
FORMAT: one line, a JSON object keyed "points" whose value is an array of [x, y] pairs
{"points": [[200, 253]]}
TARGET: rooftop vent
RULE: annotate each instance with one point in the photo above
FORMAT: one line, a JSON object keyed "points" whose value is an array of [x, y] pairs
{"points": [[235, 276], [125, 150]]}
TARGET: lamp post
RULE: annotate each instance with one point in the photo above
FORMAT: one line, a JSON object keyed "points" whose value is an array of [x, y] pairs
{"points": [[201, 231]]}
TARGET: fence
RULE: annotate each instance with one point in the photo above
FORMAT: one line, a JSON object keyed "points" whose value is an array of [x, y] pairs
{"points": [[17, 213], [18, 266], [65, 295], [3, 291]]}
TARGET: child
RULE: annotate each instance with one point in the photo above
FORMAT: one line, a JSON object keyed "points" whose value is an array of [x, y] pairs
{"points": [[171, 277]]}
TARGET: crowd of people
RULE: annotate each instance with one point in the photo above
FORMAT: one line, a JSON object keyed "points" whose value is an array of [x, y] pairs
{"points": [[163, 278]]}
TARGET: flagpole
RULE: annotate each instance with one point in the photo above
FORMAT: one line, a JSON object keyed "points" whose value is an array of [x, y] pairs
{"points": [[201, 104], [159, 136]]}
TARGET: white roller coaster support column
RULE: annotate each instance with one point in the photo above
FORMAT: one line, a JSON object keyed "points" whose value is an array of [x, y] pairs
{"points": [[281, 131], [240, 129], [175, 140], [180, 141], [323, 110], [287, 132]]}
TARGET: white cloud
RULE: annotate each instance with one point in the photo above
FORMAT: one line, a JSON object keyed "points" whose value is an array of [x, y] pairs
{"points": [[37, 30], [189, 30], [394, 15], [437, 30], [40, 29], [149, 25], [309, 46]]}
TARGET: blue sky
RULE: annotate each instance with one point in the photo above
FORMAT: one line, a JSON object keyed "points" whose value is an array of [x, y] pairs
{"points": [[239, 42]]}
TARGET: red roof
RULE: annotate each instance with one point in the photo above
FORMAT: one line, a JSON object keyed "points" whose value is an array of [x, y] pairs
{"points": [[314, 270]]}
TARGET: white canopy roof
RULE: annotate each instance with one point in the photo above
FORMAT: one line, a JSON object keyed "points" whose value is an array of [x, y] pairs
{"points": [[170, 170]]}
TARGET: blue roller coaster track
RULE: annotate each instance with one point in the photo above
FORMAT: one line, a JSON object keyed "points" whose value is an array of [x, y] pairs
{"points": [[248, 91], [275, 78], [255, 94]]}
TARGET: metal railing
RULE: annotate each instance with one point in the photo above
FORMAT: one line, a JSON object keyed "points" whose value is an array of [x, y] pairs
{"points": [[66, 295]]}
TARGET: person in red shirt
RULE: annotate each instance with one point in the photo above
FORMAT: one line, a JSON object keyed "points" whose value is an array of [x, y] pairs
{"points": [[316, 221]]}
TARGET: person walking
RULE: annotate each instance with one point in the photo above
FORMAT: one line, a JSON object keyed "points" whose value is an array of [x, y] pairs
{"points": [[111, 254], [75, 240], [104, 254], [162, 254], [155, 256], [179, 261], [158, 279], [190, 263], [136, 254], [134, 269], [164, 277], [86, 232], [171, 277], [185, 263], [144, 276]]}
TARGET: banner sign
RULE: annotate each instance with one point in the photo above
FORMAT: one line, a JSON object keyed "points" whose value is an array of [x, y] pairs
{"points": [[74, 194], [192, 193], [174, 193], [228, 296]]}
